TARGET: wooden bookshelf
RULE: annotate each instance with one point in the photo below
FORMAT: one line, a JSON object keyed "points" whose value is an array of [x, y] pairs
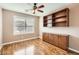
{"points": [[60, 17]]}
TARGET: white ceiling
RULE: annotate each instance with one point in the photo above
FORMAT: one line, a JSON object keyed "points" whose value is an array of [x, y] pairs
{"points": [[21, 7]]}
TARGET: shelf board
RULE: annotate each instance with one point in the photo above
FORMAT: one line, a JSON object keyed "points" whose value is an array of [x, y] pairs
{"points": [[49, 19], [49, 23], [60, 22], [60, 17]]}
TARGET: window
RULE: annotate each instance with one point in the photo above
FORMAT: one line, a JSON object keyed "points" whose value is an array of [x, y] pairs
{"points": [[23, 25]]}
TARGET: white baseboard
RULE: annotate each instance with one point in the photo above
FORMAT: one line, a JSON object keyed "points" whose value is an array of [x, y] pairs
{"points": [[19, 40], [74, 50]]}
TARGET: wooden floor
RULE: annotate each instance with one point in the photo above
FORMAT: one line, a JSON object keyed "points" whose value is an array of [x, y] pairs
{"points": [[32, 47]]}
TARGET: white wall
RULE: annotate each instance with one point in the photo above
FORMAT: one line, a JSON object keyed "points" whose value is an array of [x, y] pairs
{"points": [[8, 35], [0, 27], [73, 30]]}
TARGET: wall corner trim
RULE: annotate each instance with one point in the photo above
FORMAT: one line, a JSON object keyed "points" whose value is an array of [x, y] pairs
{"points": [[73, 50]]}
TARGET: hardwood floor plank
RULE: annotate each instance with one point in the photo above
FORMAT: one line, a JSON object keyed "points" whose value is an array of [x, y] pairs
{"points": [[32, 47]]}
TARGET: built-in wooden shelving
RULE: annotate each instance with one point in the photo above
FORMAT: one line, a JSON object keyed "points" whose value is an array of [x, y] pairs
{"points": [[57, 19]]}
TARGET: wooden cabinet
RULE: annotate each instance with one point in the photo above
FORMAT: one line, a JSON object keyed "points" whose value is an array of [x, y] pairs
{"points": [[57, 40]]}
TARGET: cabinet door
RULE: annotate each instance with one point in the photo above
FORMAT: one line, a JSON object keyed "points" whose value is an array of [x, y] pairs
{"points": [[46, 37], [53, 39], [63, 42]]}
